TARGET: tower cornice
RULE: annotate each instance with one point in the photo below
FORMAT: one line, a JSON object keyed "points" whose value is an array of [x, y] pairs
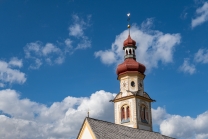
{"points": [[131, 73], [132, 96]]}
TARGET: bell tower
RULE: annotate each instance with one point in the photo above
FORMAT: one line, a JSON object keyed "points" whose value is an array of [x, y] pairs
{"points": [[132, 105]]}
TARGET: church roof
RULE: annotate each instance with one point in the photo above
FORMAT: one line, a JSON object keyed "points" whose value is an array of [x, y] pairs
{"points": [[107, 130]]}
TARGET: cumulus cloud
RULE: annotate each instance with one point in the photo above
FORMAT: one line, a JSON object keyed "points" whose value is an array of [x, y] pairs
{"points": [[78, 27], [10, 73], [182, 127], [52, 53], [107, 56], [24, 118], [84, 43], [201, 56], [202, 15], [158, 115], [152, 46], [77, 30], [50, 48], [187, 67], [186, 127], [15, 62], [39, 52]]}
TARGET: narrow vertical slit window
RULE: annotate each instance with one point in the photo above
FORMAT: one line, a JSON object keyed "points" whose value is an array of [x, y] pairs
{"points": [[122, 114], [128, 114], [144, 114]]}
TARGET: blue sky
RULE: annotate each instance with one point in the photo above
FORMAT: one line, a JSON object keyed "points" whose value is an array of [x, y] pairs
{"points": [[58, 59]]}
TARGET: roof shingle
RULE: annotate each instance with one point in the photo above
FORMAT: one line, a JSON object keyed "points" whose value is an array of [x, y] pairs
{"points": [[107, 130]]}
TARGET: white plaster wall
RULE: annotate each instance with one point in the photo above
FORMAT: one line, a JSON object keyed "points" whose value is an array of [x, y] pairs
{"points": [[86, 134], [140, 89], [133, 78], [129, 125], [117, 110], [122, 88], [128, 80]]}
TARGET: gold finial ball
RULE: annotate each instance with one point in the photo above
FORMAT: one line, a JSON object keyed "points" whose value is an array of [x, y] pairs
{"points": [[128, 26]]}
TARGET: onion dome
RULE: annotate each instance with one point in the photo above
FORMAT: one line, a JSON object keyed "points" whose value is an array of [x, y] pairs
{"points": [[129, 42], [130, 65]]}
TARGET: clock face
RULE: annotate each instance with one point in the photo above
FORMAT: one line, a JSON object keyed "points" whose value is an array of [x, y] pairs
{"points": [[124, 85]]}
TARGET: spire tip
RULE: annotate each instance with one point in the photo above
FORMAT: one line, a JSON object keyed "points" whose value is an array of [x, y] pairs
{"points": [[128, 26]]}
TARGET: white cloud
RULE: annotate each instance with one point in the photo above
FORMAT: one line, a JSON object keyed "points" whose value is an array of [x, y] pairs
{"points": [[27, 119], [183, 127], [78, 27], [39, 53], [84, 43], [152, 46], [77, 30], [201, 56], [107, 56], [202, 15], [50, 48], [9, 74], [68, 43], [158, 115], [36, 65], [15, 62], [33, 47], [51, 53], [187, 67], [59, 60]]}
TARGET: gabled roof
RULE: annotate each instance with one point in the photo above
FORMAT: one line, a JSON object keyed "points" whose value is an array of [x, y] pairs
{"points": [[107, 130]]}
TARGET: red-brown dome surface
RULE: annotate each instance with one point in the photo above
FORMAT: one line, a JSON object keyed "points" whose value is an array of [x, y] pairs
{"points": [[130, 65], [129, 42]]}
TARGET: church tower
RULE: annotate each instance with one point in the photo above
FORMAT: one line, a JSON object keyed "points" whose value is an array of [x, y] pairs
{"points": [[132, 105]]}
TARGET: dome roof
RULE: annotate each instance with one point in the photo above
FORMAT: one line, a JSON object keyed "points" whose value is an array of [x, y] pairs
{"points": [[130, 64], [129, 42]]}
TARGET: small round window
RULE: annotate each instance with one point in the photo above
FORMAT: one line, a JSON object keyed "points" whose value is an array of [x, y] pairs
{"points": [[132, 83]]}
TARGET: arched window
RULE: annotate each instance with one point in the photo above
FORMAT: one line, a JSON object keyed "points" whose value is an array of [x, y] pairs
{"points": [[128, 112], [147, 116], [122, 113], [130, 51], [144, 114], [126, 52], [133, 51], [125, 114]]}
